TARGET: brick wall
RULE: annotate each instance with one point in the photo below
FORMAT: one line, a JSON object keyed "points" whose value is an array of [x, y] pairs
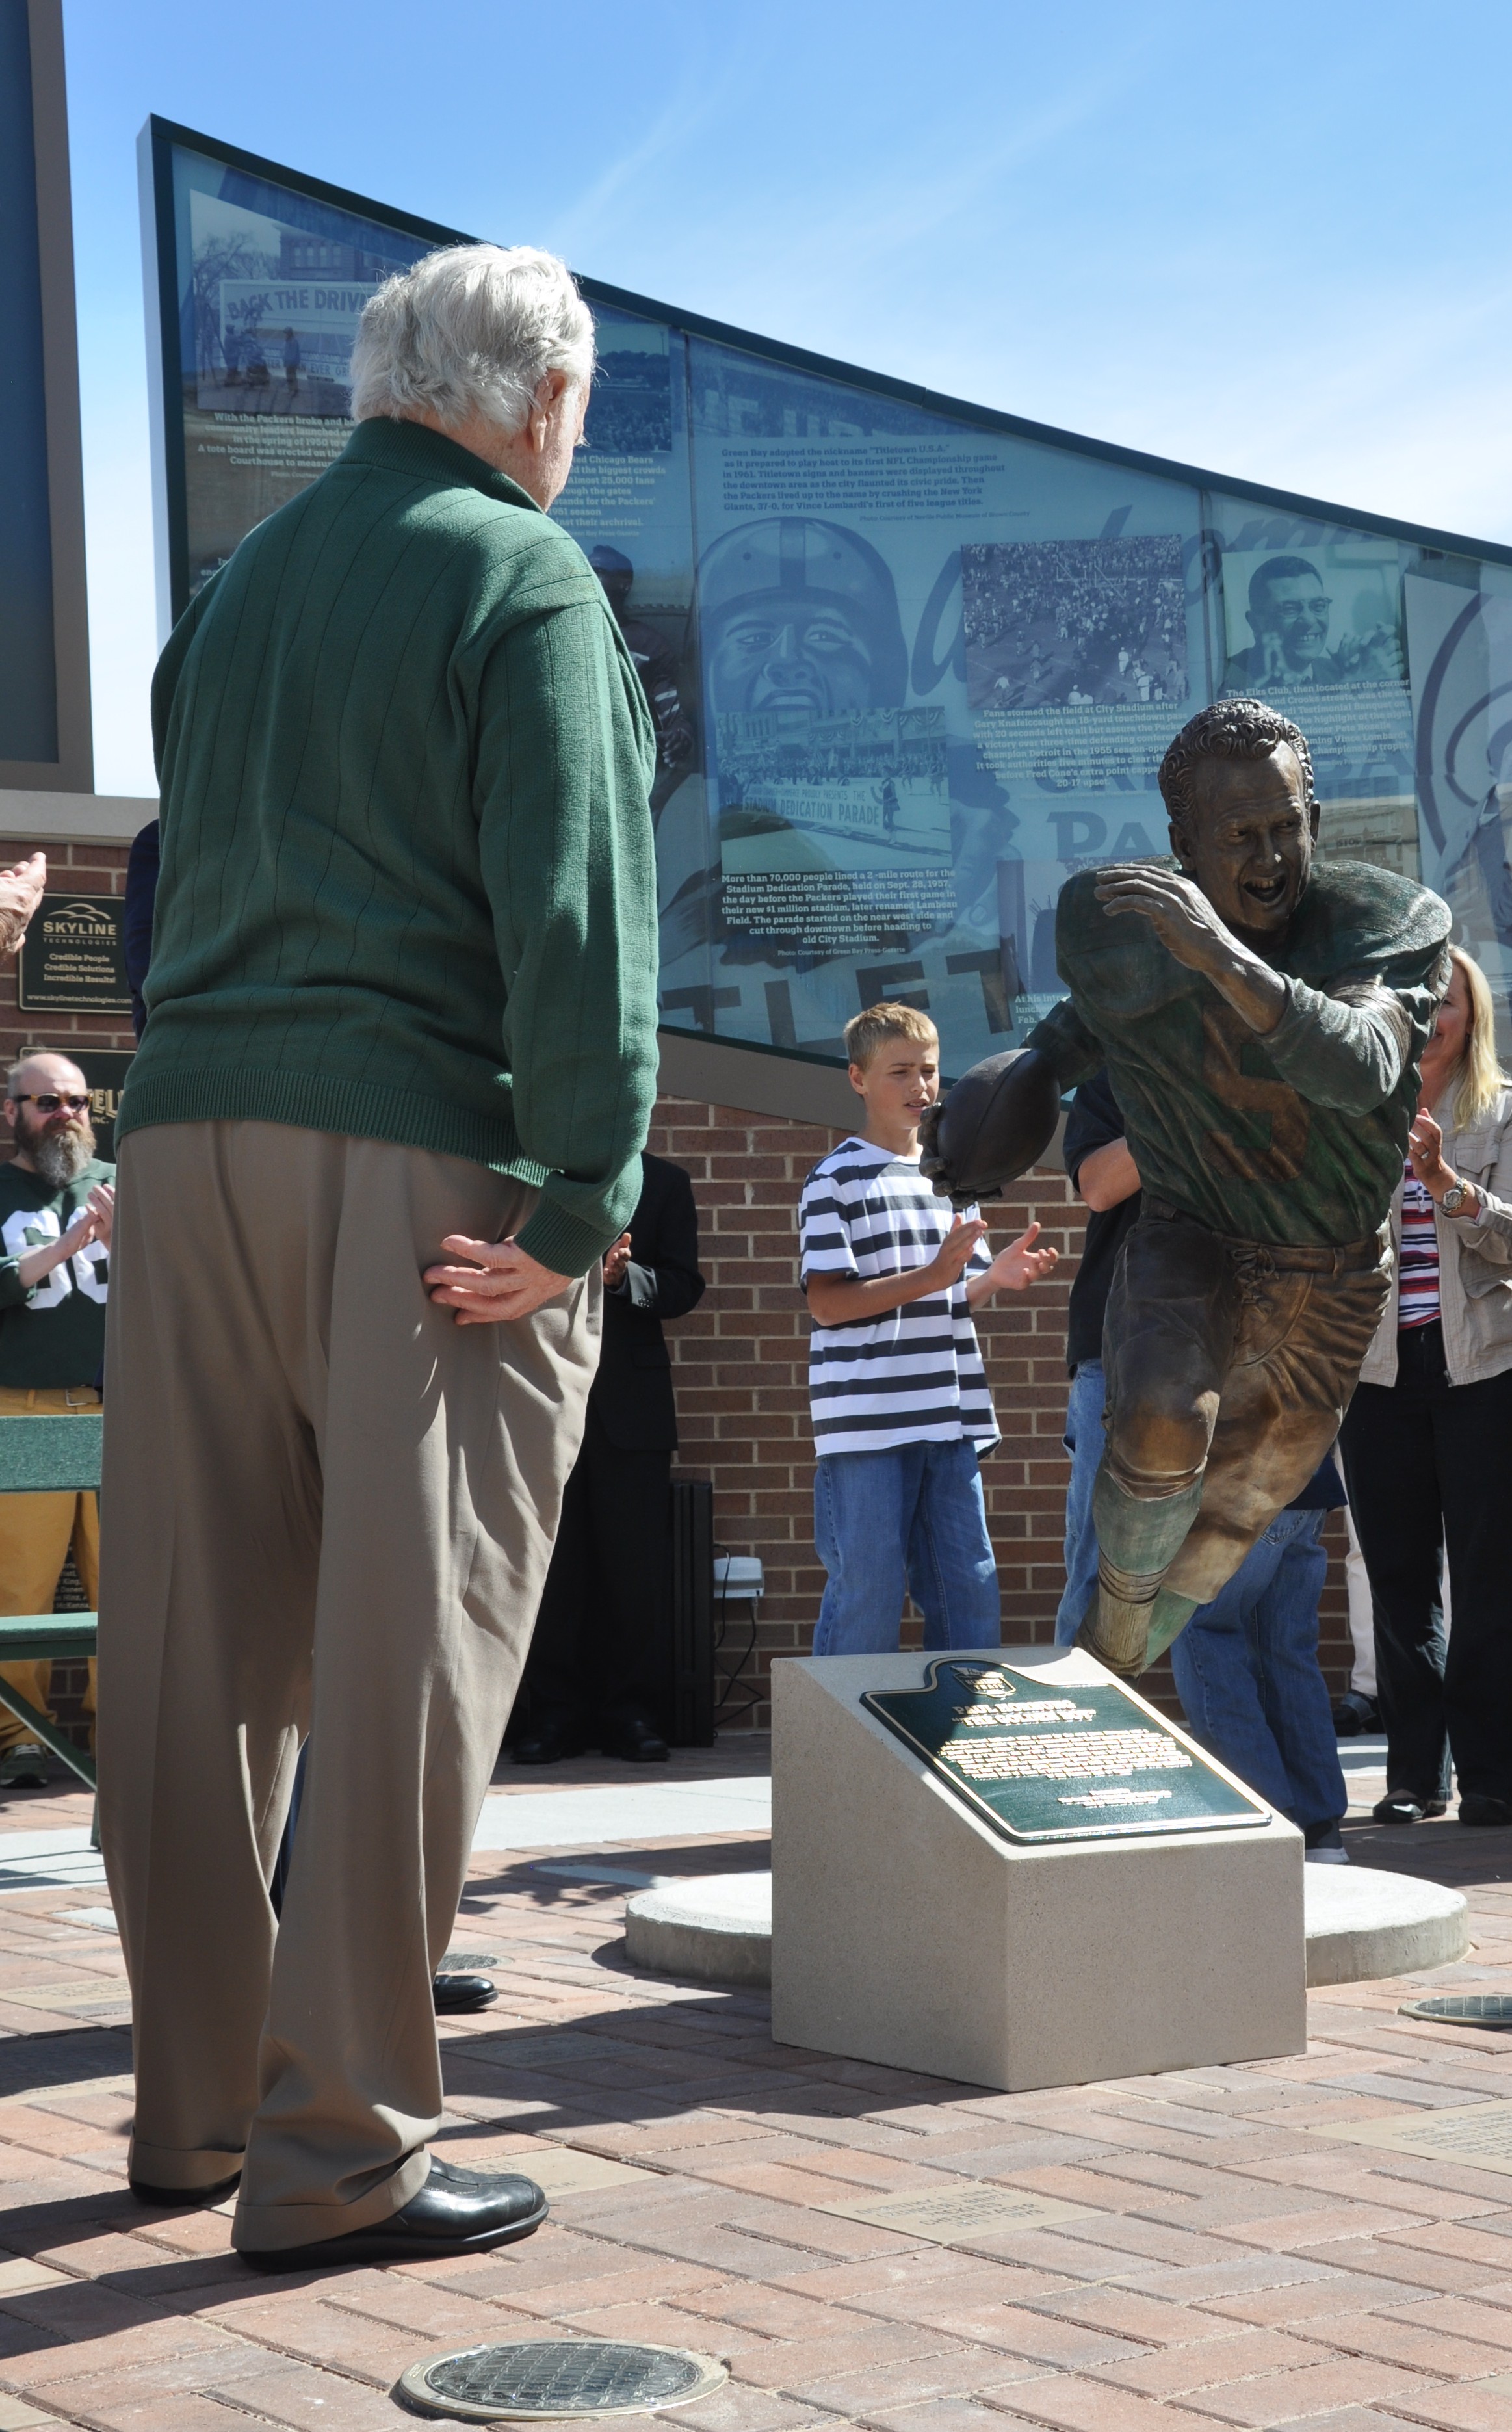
{"points": [[740, 1365]]}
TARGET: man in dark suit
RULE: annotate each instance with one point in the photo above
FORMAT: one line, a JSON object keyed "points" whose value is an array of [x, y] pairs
{"points": [[592, 1675]]}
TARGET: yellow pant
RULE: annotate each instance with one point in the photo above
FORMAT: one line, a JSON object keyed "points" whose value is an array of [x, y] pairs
{"points": [[36, 1533]]}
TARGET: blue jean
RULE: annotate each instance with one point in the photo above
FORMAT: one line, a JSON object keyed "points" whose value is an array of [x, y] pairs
{"points": [[1247, 1673], [1083, 1441], [912, 1515]]}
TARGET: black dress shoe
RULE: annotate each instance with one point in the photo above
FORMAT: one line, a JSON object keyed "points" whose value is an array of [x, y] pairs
{"points": [[1479, 1807], [633, 1740], [455, 1995], [1406, 1807], [547, 1742], [184, 2199], [456, 2212], [1354, 1712]]}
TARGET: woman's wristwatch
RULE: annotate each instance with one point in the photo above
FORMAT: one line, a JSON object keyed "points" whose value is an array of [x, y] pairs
{"points": [[1455, 1197]]}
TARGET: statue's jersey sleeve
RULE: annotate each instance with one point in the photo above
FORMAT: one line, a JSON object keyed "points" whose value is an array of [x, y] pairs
{"points": [[1296, 1137]]}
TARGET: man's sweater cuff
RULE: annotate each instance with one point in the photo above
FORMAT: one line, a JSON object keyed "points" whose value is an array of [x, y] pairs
{"points": [[563, 1241]]}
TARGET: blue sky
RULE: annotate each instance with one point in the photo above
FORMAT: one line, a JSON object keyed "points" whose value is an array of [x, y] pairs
{"points": [[1271, 241]]}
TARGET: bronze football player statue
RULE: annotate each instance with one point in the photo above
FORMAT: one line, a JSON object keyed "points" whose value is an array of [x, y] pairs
{"points": [[1261, 1019]]}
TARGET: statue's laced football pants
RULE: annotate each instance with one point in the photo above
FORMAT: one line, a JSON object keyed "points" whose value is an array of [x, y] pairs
{"points": [[1229, 1367]]}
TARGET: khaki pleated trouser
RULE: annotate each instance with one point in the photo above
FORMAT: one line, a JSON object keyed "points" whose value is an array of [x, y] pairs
{"points": [[327, 1509]]}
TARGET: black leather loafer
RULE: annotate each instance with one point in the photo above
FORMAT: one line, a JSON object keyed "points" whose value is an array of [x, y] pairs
{"points": [[1479, 1807], [184, 2199], [547, 1742], [456, 2212], [635, 1742], [1405, 1807], [455, 1995]]}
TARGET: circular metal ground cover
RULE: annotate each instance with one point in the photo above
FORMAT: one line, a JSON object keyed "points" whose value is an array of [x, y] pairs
{"points": [[535, 2380], [1463, 2009]]}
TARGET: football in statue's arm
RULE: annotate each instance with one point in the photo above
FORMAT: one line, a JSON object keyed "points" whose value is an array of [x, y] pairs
{"points": [[991, 1126]]}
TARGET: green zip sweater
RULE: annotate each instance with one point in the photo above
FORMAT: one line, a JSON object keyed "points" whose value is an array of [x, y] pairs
{"points": [[408, 887]]}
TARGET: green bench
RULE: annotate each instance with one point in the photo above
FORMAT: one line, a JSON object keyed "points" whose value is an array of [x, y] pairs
{"points": [[56, 1452]]}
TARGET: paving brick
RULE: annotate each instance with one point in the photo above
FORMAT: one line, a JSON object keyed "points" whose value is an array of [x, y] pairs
{"points": [[1460, 2317], [1416, 2264], [304, 2326], [115, 2403], [775, 2313], [1470, 2408], [301, 2394], [1321, 2224], [1070, 2405], [670, 2328], [1279, 2397], [422, 2311], [1424, 2347], [1351, 2419], [1176, 2371], [949, 2372], [50, 2359], [936, 2415], [738, 2408], [796, 2364]]}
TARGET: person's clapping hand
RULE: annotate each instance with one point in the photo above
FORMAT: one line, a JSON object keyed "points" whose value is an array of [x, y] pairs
{"points": [[77, 1233], [100, 1205], [616, 1259], [1426, 1144], [1020, 1265], [498, 1280], [21, 891], [949, 1260]]}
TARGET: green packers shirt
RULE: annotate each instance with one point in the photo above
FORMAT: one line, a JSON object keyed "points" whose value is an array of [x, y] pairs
{"points": [[54, 1334], [1297, 1137]]}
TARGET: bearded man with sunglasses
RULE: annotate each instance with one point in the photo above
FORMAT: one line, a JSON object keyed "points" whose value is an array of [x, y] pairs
{"points": [[57, 1200]]}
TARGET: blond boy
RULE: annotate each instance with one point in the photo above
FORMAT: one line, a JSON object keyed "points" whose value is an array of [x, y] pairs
{"points": [[897, 1389]]}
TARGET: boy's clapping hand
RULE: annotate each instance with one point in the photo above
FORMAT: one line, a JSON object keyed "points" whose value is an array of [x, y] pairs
{"points": [[957, 1246], [1018, 1266]]}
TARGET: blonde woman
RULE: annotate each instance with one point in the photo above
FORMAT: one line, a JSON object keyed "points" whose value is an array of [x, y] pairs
{"points": [[1427, 1442]]}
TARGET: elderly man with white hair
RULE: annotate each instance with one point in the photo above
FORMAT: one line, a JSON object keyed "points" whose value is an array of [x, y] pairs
{"points": [[386, 1120]]}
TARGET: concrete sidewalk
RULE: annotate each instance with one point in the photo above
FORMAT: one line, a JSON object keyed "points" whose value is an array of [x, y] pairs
{"points": [[1152, 2256]]}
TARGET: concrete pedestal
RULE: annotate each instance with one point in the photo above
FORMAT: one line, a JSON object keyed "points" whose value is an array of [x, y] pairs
{"points": [[713, 1927], [1363, 1923], [907, 1930]]}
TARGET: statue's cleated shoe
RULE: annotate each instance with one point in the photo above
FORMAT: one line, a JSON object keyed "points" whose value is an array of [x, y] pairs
{"points": [[456, 2212]]}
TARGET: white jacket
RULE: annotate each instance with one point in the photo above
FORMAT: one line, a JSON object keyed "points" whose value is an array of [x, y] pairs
{"points": [[1474, 1260]]}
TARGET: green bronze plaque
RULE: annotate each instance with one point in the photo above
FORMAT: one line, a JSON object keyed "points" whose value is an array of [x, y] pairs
{"points": [[1040, 1762]]}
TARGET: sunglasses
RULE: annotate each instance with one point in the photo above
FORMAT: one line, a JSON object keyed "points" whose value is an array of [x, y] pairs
{"points": [[50, 1100]]}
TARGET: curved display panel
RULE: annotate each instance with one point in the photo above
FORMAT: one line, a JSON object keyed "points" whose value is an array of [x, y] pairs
{"points": [[912, 662]]}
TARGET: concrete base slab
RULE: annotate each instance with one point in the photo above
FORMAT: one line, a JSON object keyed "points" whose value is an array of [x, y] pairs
{"points": [[1363, 1924], [1360, 1925], [715, 1929]]}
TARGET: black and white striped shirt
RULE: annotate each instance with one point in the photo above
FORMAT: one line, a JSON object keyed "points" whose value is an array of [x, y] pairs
{"points": [[914, 1374]]}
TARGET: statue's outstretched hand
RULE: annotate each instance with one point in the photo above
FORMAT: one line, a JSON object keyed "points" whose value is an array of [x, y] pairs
{"points": [[1176, 909]]}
